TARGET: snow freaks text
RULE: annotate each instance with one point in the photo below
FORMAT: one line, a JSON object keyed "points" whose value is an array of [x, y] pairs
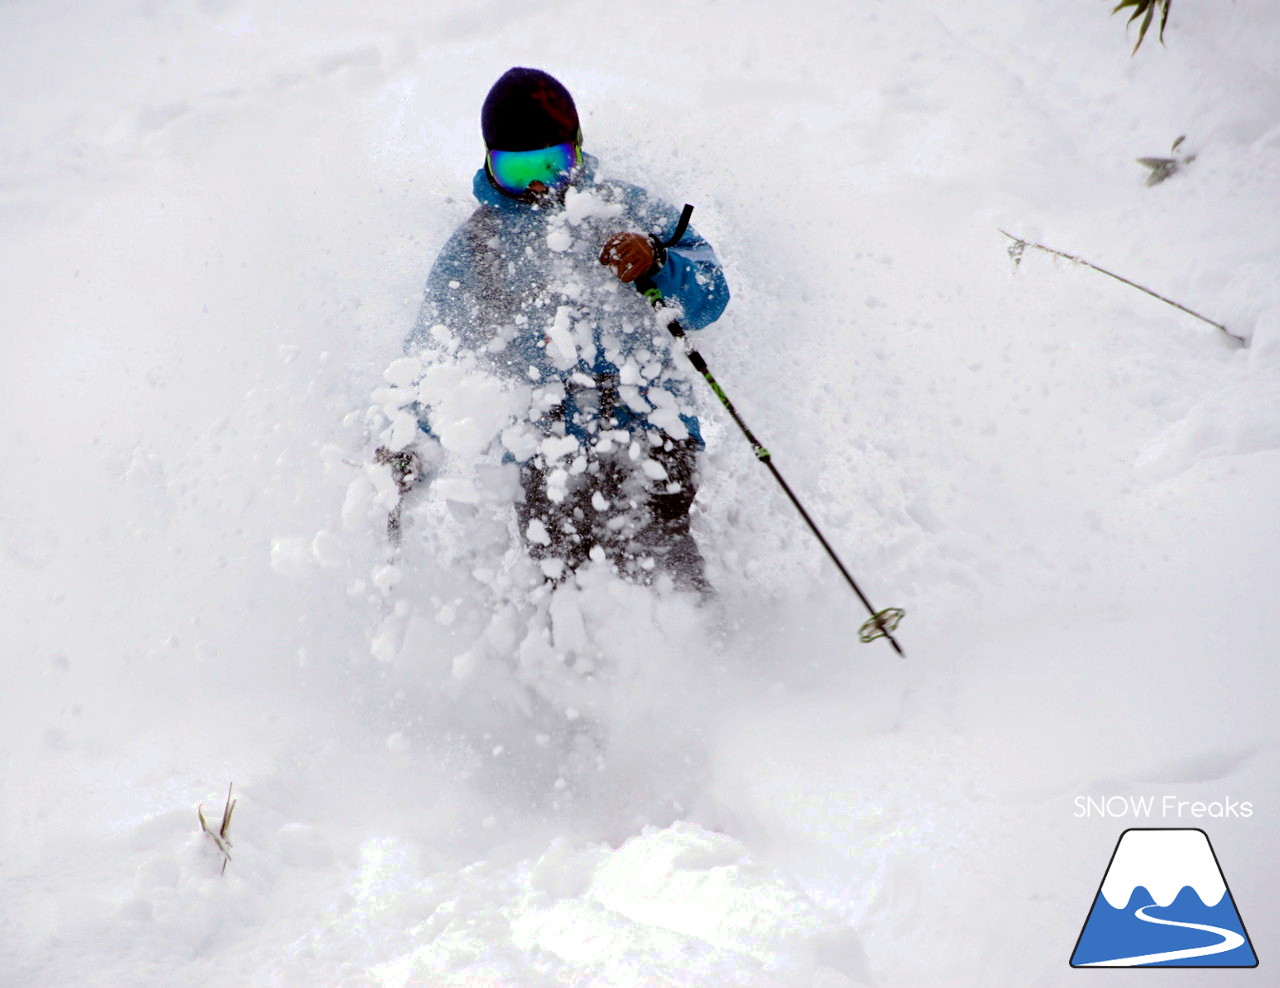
{"points": [[1165, 807]]}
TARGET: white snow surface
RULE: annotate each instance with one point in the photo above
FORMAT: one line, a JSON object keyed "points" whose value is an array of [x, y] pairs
{"points": [[217, 219]]}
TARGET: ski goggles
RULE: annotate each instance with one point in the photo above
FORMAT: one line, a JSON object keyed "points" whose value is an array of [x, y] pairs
{"points": [[515, 171]]}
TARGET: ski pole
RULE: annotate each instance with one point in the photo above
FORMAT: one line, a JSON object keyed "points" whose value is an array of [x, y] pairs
{"points": [[881, 624]]}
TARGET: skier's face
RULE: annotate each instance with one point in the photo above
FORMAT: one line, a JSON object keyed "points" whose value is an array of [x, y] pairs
{"points": [[540, 194]]}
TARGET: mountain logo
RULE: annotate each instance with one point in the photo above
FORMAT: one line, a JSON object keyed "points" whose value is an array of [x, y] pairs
{"points": [[1164, 902]]}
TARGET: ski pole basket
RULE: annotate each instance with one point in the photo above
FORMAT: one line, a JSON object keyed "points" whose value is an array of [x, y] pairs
{"points": [[882, 624]]}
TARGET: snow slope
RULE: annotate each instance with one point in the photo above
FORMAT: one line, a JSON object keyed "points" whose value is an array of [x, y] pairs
{"points": [[217, 219]]}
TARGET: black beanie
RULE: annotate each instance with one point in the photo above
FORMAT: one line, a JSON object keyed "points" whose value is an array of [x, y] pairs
{"points": [[527, 109]]}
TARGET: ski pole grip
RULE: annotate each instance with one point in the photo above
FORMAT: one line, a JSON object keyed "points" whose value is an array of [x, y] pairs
{"points": [[681, 225]]}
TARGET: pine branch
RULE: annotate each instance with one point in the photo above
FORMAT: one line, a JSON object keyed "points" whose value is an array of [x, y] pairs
{"points": [[1146, 10]]}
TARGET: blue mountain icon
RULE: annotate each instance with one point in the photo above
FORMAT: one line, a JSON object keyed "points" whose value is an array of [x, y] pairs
{"points": [[1163, 902]]}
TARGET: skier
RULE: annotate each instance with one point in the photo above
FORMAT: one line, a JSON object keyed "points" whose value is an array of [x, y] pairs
{"points": [[538, 284]]}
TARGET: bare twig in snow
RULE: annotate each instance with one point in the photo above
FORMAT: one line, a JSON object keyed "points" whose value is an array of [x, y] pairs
{"points": [[222, 837], [1020, 244]]}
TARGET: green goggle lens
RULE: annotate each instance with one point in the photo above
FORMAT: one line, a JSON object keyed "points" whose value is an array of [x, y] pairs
{"points": [[515, 171]]}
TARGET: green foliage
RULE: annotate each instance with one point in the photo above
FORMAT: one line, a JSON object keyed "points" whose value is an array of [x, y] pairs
{"points": [[1146, 10]]}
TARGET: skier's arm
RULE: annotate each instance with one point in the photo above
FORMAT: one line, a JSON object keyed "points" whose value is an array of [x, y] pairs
{"points": [[691, 275], [445, 298], [688, 272]]}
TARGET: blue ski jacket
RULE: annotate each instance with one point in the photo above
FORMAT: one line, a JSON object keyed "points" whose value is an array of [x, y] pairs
{"points": [[520, 285]]}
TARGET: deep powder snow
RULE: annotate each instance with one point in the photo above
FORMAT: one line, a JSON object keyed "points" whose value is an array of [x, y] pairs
{"points": [[217, 220]]}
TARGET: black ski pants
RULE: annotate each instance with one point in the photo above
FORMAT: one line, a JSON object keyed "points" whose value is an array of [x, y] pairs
{"points": [[613, 510]]}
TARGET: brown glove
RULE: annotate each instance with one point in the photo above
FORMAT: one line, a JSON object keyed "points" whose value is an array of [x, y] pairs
{"points": [[631, 255]]}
